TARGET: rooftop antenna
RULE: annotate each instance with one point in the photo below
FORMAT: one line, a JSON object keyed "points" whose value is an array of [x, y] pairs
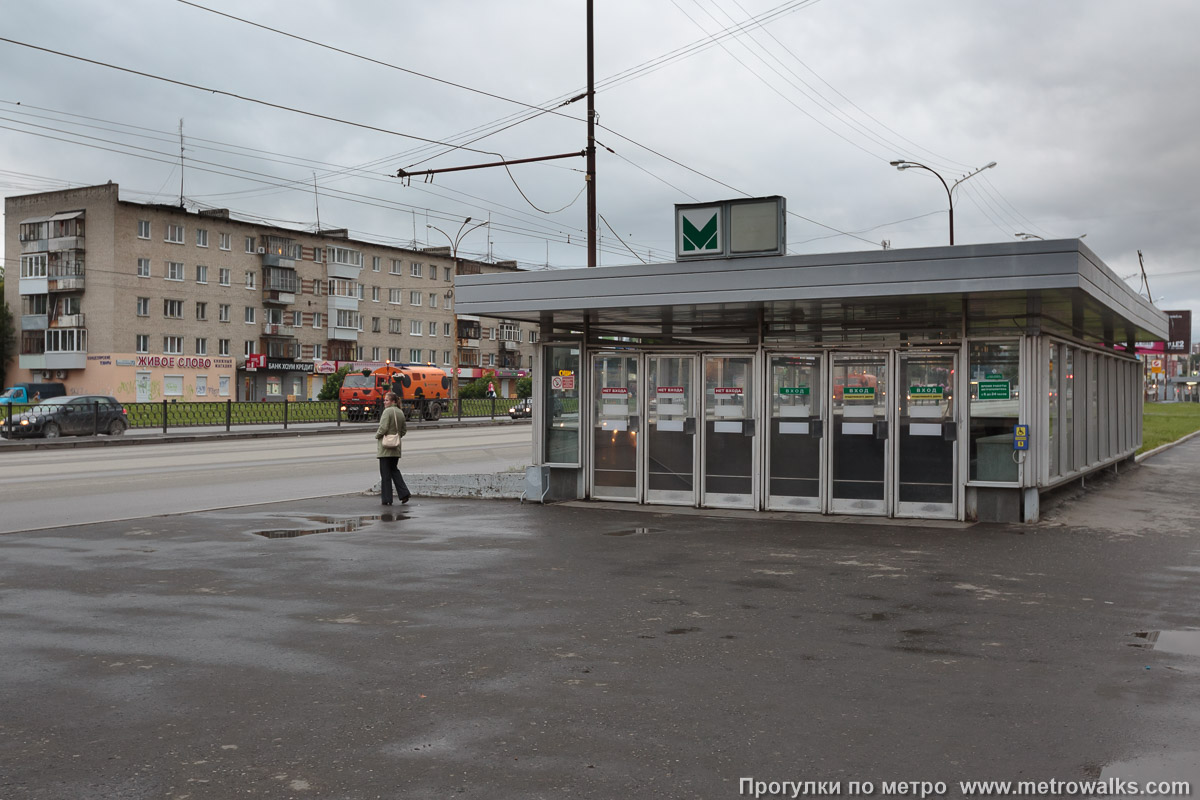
{"points": [[181, 162], [317, 201]]}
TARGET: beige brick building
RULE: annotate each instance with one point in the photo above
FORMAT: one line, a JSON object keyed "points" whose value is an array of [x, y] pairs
{"points": [[146, 302]]}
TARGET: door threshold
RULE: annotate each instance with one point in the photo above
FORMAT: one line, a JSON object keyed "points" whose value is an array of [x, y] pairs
{"points": [[788, 516]]}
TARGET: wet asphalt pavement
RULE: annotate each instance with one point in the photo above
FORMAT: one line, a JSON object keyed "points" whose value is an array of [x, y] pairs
{"points": [[457, 648]]}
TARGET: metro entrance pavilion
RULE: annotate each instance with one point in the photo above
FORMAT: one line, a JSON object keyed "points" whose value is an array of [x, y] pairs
{"points": [[941, 383]]}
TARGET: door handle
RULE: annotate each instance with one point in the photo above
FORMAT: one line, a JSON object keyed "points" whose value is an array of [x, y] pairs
{"points": [[881, 429], [816, 427], [950, 431], [748, 427], [689, 425]]}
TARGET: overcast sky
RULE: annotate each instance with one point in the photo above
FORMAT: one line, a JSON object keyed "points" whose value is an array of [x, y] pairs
{"points": [[1087, 106]]}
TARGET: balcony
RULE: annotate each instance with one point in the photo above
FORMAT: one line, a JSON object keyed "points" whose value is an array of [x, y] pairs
{"points": [[510, 346], [277, 329], [277, 260], [65, 276], [67, 321], [34, 246], [288, 349], [278, 297], [343, 334], [280, 285], [35, 322]]}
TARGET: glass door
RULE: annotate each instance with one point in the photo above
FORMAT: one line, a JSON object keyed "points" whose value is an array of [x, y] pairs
{"points": [[728, 432], [796, 433], [615, 427], [859, 440], [671, 430], [926, 442]]}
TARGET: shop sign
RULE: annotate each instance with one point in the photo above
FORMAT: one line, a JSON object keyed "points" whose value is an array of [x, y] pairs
{"points": [[175, 362], [926, 392], [256, 361], [859, 392], [794, 390], [289, 366], [326, 368], [990, 389]]}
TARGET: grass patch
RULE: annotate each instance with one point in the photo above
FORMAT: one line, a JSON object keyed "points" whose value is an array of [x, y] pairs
{"points": [[1166, 422]]}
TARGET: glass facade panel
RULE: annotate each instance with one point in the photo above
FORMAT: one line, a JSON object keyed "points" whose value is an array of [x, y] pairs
{"points": [[1053, 439], [560, 425], [995, 375], [615, 427]]}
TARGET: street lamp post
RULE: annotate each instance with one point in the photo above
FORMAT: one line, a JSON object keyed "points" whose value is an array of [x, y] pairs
{"points": [[902, 164], [454, 242]]}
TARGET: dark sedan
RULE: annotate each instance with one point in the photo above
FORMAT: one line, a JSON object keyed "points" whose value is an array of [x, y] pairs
{"points": [[523, 408], [68, 416]]}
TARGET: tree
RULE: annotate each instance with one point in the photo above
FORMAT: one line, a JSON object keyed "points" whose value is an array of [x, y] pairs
{"points": [[476, 388], [8, 335], [524, 387], [333, 384]]}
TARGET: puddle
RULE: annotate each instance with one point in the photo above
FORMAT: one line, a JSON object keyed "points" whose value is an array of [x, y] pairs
{"points": [[634, 532], [329, 525], [1185, 643], [1167, 769], [878, 616], [678, 631]]}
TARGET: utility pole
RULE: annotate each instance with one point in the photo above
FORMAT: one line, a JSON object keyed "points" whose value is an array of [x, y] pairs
{"points": [[591, 141]]}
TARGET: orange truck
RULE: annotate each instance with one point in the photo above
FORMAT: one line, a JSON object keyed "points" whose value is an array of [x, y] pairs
{"points": [[424, 391]]}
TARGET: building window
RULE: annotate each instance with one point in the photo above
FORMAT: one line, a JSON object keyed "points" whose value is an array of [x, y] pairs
{"points": [[414, 298], [394, 326], [201, 237], [297, 319], [223, 312], [201, 274], [433, 299], [532, 337], [317, 319], [346, 319], [376, 263], [345, 256], [248, 349], [317, 288], [414, 327], [414, 355], [397, 266], [316, 351], [174, 271], [491, 359], [416, 270], [448, 274], [393, 354], [143, 268], [143, 343], [374, 294], [374, 353], [173, 309], [446, 329], [143, 229], [173, 345], [446, 357], [342, 288], [174, 234], [250, 244], [202, 347], [250, 314], [222, 347], [317, 255], [251, 279], [143, 306], [223, 276], [447, 301], [225, 241], [201, 311], [433, 329], [396, 296], [34, 266]]}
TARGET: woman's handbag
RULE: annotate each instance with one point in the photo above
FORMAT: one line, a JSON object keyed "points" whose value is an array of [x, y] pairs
{"points": [[391, 440]]}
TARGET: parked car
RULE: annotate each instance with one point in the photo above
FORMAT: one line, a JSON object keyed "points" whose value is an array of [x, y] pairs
{"points": [[523, 408], [68, 416]]}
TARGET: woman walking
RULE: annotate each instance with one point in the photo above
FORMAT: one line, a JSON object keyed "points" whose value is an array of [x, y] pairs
{"points": [[391, 424]]}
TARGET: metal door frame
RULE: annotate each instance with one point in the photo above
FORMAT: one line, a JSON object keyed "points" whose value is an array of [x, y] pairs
{"points": [[697, 392], [590, 431], [889, 466], [824, 483], [755, 411], [894, 506]]}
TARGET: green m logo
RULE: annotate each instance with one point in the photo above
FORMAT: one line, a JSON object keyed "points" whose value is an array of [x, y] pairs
{"points": [[700, 238]]}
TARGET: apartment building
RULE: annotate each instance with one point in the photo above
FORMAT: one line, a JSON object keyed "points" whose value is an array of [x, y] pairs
{"points": [[148, 302]]}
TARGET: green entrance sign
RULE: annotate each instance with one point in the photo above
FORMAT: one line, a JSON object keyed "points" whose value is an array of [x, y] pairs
{"points": [[801, 390], [701, 238], [994, 390], [926, 392], [859, 392]]}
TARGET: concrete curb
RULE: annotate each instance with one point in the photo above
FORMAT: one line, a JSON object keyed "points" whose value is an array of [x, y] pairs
{"points": [[1140, 458], [482, 485]]}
